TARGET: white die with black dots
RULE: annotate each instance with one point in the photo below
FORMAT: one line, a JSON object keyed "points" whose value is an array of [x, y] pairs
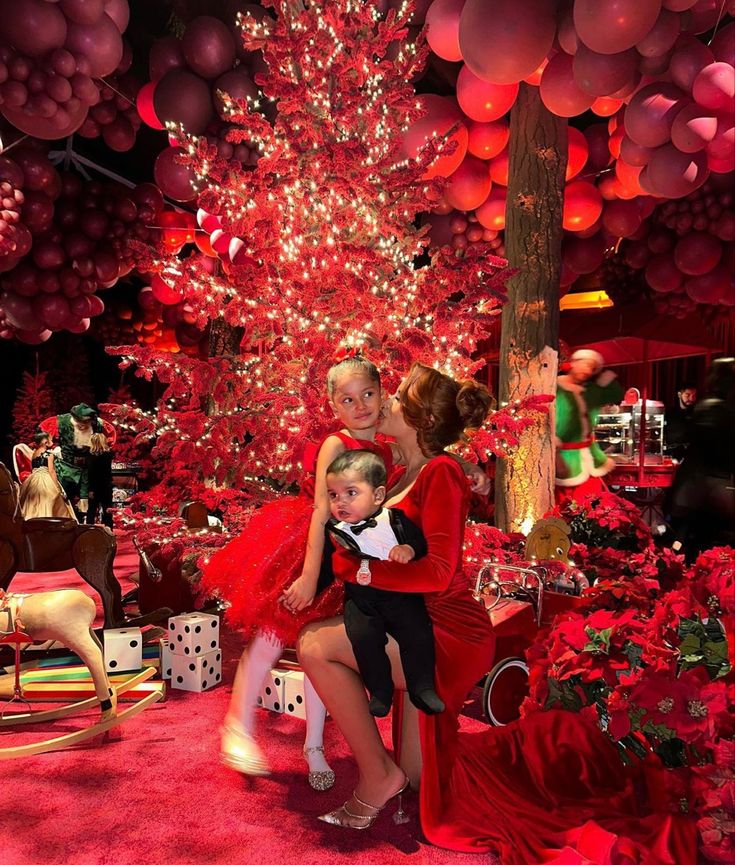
{"points": [[196, 673], [123, 649], [193, 634]]}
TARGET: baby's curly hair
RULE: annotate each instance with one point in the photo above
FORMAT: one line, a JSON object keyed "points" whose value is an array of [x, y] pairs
{"points": [[440, 408]]}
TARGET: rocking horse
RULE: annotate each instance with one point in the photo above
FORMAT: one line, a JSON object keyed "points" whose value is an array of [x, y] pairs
{"points": [[66, 616], [53, 544]]}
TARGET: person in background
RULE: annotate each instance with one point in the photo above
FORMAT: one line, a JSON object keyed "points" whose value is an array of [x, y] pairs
{"points": [[703, 494], [679, 421], [580, 461], [75, 431], [100, 480], [41, 495]]}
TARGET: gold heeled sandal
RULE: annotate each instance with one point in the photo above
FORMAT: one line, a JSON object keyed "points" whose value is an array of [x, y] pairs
{"points": [[319, 780], [240, 752], [343, 817]]}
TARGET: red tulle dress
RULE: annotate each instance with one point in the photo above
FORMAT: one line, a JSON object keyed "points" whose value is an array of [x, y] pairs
{"points": [[253, 569], [549, 788]]}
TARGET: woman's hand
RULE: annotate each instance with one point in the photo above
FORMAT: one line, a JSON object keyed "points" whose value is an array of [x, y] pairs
{"points": [[299, 594]]}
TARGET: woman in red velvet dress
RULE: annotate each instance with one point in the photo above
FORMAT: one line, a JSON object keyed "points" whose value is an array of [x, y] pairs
{"points": [[545, 786]]}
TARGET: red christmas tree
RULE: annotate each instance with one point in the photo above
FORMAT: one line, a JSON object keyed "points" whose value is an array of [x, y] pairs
{"points": [[34, 403], [325, 257]]}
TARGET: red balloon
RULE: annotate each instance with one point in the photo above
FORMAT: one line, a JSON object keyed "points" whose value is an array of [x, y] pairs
{"points": [[18, 311], [469, 185], [146, 195], [560, 92], [714, 87], [79, 326], [146, 299], [636, 254], [101, 43], [584, 255], [582, 206], [621, 218], [119, 11], [491, 213], [48, 255], [487, 140], [482, 100], [64, 122], [442, 34], [499, 168], [673, 174], [144, 104], [662, 274], [237, 84], [164, 293], [566, 34], [661, 37], [83, 11], [119, 135], [178, 228], [693, 128], [715, 287], [521, 36], [185, 98], [204, 245], [606, 106], [440, 231], [697, 253], [166, 54], [577, 152], [106, 266], [52, 310], [651, 113], [441, 115], [603, 74], [208, 46], [175, 180], [703, 16], [81, 306], [614, 25], [32, 27]]}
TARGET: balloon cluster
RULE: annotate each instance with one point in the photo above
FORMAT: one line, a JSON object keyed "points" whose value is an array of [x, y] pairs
{"points": [[188, 77], [585, 55], [462, 231], [15, 239], [685, 249], [115, 117], [83, 246], [51, 54]]}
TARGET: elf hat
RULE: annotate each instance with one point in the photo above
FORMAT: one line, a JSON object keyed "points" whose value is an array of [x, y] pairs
{"points": [[82, 411], [589, 354]]}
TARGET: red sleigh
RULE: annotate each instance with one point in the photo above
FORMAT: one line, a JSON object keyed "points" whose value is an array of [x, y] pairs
{"points": [[519, 601]]}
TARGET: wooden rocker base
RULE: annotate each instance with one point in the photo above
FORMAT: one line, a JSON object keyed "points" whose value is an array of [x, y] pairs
{"points": [[81, 735], [20, 718]]}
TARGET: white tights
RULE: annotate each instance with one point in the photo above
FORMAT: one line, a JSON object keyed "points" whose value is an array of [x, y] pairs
{"points": [[260, 657]]}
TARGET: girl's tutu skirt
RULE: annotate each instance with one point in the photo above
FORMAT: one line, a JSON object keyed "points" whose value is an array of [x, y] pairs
{"points": [[41, 496], [253, 569]]}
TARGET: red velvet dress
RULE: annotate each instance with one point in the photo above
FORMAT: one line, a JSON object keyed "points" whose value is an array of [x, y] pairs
{"points": [[548, 788], [253, 569]]}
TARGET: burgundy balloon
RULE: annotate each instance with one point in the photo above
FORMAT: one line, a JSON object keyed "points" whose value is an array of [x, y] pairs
{"points": [[24, 280], [176, 181], [48, 282], [688, 60], [723, 44], [119, 11], [23, 241], [48, 255], [566, 34], [704, 14], [119, 135], [79, 326], [597, 139], [208, 46], [100, 43], [32, 27], [14, 94], [651, 112], [469, 185], [603, 74], [621, 218], [52, 310], [185, 98], [18, 311], [38, 211], [697, 253], [661, 37], [662, 274], [559, 91], [165, 54], [634, 154], [583, 255], [63, 123], [83, 11], [84, 88], [503, 41], [614, 25], [713, 287], [714, 87], [673, 174], [96, 304], [81, 306], [105, 265], [237, 84]]}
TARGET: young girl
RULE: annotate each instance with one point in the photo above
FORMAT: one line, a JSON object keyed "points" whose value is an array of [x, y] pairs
{"points": [[100, 480], [271, 583], [41, 494]]}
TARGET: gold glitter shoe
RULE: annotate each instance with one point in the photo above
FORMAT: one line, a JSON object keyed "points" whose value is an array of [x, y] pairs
{"points": [[240, 752], [322, 780]]}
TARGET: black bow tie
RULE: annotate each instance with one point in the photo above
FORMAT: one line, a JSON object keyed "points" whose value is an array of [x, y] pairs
{"points": [[366, 524]]}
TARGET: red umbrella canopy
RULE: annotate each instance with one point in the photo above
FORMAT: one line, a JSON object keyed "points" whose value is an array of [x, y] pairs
{"points": [[636, 334]]}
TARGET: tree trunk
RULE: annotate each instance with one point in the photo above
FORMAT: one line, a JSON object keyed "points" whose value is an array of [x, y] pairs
{"points": [[530, 323]]}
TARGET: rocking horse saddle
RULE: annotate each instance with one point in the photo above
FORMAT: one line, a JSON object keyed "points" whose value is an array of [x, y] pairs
{"points": [[48, 524]]}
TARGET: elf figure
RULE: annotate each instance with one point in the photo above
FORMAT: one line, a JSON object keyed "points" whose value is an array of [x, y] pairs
{"points": [[581, 393], [74, 431]]}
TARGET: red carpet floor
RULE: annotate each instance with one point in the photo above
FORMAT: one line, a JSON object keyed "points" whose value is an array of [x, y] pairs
{"points": [[157, 794]]}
